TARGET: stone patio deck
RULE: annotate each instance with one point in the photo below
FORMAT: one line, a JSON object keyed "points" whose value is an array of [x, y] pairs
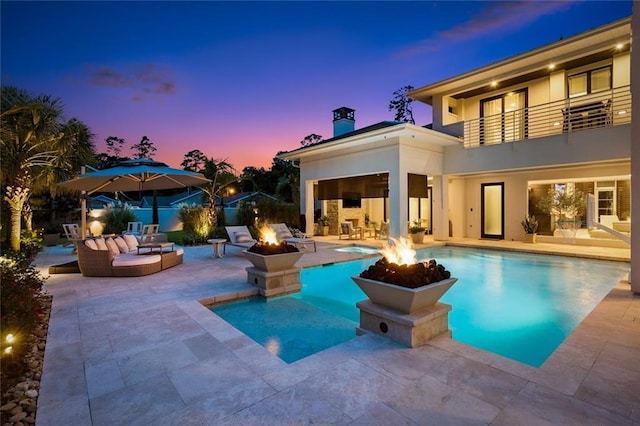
{"points": [[145, 351]]}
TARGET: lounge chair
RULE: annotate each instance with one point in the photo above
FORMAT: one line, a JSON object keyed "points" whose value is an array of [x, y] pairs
{"points": [[72, 231], [134, 228], [347, 229], [239, 236], [149, 233], [300, 240]]}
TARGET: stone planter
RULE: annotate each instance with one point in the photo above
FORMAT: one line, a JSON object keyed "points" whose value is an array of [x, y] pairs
{"points": [[405, 300], [417, 238], [530, 238], [273, 262]]}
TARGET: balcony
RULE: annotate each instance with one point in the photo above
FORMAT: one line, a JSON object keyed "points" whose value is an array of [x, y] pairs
{"points": [[602, 109]]}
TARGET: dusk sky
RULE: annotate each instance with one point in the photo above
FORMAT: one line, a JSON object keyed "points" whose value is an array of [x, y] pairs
{"points": [[243, 80]]}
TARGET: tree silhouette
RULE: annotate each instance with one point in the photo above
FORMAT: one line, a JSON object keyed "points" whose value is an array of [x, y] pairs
{"points": [[311, 139], [194, 161], [401, 104], [144, 149]]}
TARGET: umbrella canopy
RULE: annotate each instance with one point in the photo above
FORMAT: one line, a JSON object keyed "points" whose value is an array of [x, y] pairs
{"points": [[141, 174]]}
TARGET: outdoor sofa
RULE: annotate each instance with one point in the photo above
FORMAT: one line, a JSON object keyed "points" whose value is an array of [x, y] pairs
{"points": [[118, 257]]}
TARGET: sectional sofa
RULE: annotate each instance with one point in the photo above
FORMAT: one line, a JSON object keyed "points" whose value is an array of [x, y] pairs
{"points": [[118, 257]]}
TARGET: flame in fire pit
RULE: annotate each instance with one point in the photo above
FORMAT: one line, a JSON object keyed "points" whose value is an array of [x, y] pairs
{"points": [[399, 251], [268, 235]]}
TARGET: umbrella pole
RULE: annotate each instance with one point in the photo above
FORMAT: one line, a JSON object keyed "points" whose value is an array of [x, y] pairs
{"points": [[83, 209]]}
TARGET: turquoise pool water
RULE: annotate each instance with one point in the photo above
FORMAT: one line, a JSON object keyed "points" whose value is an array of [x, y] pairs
{"points": [[358, 249], [516, 305]]}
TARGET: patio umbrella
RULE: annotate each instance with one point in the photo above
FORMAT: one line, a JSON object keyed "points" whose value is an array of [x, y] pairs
{"points": [[141, 174]]}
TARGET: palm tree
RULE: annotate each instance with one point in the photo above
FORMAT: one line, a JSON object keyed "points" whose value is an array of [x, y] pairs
{"points": [[29, 138], [76, 149], [221, 174]]}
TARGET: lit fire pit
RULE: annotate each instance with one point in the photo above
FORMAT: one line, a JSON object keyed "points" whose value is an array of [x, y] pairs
{"points": [[274, 271], [403, 295]]}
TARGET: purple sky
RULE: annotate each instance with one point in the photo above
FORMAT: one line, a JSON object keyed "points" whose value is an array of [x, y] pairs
{"points": [[243, 80]]}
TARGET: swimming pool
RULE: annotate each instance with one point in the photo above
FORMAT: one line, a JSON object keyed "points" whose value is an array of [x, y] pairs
{"points": [[520, 306], [358, 249]]}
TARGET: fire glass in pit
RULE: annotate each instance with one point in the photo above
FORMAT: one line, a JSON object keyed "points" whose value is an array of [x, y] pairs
{"points": [[409, 275], [265, 248]]}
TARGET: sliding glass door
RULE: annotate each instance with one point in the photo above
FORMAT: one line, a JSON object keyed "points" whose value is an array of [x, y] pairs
{"points": [[504, 118]]}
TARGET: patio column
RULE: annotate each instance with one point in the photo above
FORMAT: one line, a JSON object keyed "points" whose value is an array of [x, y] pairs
{"points": [[306, 196], [634, 274], [398, 204], [440, 212]]}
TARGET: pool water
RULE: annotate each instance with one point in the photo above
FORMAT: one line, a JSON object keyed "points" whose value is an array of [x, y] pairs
{"points": [[358, 249], [520, 306]]}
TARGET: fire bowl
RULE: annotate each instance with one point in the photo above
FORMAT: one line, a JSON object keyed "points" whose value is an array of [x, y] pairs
{"points": [[273, 262], [403, 299]]}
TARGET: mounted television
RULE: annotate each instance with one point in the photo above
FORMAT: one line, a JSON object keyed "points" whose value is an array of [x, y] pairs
{"points": [[351, 200]]}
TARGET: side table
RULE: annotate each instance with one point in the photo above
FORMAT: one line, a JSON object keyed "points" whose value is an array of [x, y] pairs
{"points": [[218, 246]]}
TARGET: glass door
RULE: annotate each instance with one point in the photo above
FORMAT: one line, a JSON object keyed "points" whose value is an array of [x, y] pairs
{"points": [[606, 202], [492, 210], [504, 118]]}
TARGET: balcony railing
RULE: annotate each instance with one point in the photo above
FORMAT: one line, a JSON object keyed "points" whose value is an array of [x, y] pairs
{"points": [[602, 109]]}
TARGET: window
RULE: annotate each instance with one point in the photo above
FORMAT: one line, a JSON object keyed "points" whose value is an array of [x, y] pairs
{"points": [[592, 81]]}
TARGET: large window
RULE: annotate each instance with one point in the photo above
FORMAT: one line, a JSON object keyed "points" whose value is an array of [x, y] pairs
{"points": [[588, 82]]}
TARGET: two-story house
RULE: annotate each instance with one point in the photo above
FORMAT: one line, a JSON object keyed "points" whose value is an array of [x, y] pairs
{"points": [[502, 135]]}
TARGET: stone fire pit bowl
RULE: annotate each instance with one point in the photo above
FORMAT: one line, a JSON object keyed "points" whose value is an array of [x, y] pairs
{"points": [[273, 262], [403, 299]]}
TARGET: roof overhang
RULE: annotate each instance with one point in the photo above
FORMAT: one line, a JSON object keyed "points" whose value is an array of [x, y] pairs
{"points": [[587, 47], [417, 135]]}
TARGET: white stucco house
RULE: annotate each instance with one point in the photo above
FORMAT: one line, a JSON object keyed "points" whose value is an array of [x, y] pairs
{"points": [[555, 117]]}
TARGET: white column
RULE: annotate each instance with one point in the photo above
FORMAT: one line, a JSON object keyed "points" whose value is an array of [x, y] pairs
{"points": [[306, 196], [440, 206], [634, 274]]}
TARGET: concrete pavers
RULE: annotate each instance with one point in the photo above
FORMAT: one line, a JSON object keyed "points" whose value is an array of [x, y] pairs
{"points": [[144, 351]]}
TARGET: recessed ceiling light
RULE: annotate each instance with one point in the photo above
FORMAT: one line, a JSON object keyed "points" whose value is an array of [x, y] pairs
{"points": [[494, 83], [552, 66], [619, 46]]}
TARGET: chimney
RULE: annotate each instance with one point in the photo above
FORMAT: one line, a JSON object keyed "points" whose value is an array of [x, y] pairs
{"points": [[343, 121]]}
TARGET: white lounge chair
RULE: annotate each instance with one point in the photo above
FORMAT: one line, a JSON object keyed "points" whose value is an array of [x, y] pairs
{"points": [[239, 236], [300, 240], [149, 233], [134, 228], [72, 231]]}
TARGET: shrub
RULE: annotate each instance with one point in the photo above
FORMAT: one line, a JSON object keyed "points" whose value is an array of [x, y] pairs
{"points": [[117, 217], [246, 215], [271, 211], [196, 223], [20, 286]]}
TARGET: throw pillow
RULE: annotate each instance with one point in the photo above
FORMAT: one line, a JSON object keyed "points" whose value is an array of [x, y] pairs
{"points": [[113, 247], [131, 241], [281, 234], [101, 244], [91, 244], [243, 237], [122, 246]]}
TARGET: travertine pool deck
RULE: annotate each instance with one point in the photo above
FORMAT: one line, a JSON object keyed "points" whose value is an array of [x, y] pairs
{"points": [[145, 351]]}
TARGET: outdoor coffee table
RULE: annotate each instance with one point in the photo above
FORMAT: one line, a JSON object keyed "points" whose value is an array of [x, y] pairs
{"points": [[152, 246], [218, 246]]}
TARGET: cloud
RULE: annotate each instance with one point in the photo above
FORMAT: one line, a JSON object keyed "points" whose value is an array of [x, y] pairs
{"points": [[142, 81], [499, 17], [107, 77]]}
